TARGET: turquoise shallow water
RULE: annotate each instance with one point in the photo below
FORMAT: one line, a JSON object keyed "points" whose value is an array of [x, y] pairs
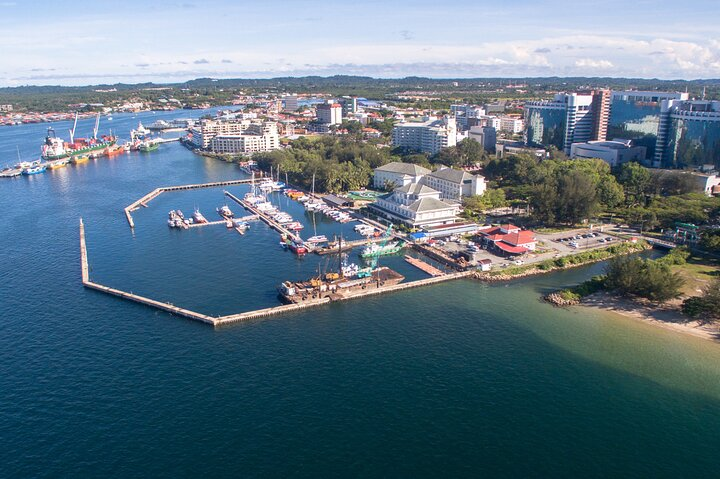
{"points": [[459, 379]]}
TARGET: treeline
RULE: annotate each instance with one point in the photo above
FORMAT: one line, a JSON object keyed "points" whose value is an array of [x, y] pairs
{"points": [[563, 191], [557, 190], [343, 163], [335, 164]]}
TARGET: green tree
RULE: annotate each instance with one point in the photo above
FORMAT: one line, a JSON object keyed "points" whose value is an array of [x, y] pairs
{"points": [[706, 307], [636, 180]]}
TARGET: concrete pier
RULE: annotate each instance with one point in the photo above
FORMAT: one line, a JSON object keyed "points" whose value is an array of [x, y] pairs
{"points": [[264, 217], [158, 191], [423, 266]]}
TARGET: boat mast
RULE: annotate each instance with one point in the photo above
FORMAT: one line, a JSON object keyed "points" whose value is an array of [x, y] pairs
{"points": [[72, 132]]}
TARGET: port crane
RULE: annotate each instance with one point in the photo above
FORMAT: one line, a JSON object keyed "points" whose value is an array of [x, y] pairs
{"points": [[367, 271]]}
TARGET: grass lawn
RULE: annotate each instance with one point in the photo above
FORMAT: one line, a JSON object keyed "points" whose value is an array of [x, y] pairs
{"points": [[698, 272]]}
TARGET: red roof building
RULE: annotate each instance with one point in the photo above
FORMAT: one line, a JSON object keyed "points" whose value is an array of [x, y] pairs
{"points": [[509, 239]]}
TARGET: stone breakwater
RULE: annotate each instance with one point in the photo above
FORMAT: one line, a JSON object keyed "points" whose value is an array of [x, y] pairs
{"points": [[556, 299]]}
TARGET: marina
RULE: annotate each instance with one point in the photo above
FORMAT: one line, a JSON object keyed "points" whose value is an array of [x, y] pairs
{"points": [[382, 280]]}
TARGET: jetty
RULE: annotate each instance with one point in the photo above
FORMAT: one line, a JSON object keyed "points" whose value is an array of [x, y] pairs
{"points": [[135, 205], [264, 217], [424, 266], [348, 245], [215, 321]]}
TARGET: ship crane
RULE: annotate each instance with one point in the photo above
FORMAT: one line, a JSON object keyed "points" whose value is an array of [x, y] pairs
{"points": [[72, 132], [97, 126]]}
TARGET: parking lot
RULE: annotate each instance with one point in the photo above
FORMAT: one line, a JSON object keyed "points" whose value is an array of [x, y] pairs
{"points": [[549, 246]]}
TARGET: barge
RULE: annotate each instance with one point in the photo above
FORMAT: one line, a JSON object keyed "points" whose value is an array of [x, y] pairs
{"points": [[334, 287]]}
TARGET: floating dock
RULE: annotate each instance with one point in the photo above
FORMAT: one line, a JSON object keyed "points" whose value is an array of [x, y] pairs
{"points": [[158, 191], [264, 217]]}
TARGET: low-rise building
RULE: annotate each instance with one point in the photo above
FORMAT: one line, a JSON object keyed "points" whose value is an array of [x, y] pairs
{"points": [[417, 206], [398, 174], [454, 184], [612, 152], [508, 239], [502, 149]]}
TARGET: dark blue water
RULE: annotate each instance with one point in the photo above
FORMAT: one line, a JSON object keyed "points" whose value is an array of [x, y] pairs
{"points": [[460, 379]]}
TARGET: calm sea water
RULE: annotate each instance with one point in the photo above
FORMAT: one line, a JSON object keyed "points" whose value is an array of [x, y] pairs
{"points": [[459, 379]]}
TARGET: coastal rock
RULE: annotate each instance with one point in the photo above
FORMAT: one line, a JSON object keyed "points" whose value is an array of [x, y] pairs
{"points": [[557, 300]]}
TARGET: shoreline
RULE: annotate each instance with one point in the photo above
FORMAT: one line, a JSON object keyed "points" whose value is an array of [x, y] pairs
{"points": [[667, 317]]}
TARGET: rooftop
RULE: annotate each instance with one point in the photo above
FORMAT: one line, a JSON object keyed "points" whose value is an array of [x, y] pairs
{"points": [[416, 189], [428, 204], [450, 174], [403, 168]]}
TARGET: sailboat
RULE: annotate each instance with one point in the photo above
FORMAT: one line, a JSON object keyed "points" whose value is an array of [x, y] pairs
{"points": [[313, 204]]}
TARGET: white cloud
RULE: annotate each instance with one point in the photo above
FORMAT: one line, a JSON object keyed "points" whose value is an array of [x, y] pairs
{"points": [[590, 63]]}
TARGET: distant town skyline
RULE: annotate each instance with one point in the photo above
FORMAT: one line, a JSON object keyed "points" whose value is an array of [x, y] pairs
{"points": [[84, 42]]}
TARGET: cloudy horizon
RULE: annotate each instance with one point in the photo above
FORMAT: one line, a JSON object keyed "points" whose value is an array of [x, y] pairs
{"points": [[81, 42]]}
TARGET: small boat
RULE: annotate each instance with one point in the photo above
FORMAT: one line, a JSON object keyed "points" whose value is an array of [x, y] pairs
{"points": [[79, 159], [317, 239], [225, 212], [55, 164], [198, 217], [34, 168], [295, 226]]}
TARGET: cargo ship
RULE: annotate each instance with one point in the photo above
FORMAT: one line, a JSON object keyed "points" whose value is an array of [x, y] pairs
{"points": [[56, 148]]}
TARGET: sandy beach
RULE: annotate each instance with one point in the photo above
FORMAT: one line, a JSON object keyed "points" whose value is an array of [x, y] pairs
{"points": [[667, 316]]}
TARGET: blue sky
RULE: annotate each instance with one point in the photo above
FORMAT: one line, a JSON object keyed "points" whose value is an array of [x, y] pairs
{"points": [[82, 42]]}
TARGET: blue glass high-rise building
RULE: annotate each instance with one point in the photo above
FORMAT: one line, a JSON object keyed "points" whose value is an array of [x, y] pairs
{"points": [[689, 134], [635, 115]]}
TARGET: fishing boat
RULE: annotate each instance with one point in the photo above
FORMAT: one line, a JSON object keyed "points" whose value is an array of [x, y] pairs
{"points": [[148, 146], [374, 250], [34, 168], [113, 150]]}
